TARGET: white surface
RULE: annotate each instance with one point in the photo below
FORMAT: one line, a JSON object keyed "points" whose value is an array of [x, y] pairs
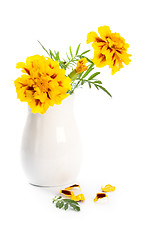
{"points": [[51, 149], [121, 135]]}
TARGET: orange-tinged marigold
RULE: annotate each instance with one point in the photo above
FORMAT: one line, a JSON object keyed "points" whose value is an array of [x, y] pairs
{"points": [[43, 83], [109, 49], [81, 65]]}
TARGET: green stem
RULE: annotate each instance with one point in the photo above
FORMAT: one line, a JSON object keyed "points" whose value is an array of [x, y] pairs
{"points": [[75, 87], [71, 60], [73, 75]]}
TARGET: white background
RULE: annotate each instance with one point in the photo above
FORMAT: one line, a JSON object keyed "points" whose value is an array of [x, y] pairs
{"points": [[121, 136]]}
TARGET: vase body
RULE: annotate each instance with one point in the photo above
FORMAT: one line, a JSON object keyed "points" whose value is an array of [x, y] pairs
{"points": [[51, 146]]}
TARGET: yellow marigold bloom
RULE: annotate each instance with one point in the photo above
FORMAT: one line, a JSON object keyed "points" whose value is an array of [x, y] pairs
{"points": [[99, 196], [81, 65], [108, 188], [43, 83], [79, 197], [109, 49]]}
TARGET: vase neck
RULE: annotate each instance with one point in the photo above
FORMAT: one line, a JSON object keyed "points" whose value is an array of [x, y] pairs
{"points": [[66, 106]]}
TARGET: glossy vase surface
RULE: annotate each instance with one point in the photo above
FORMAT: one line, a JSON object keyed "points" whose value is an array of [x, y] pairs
{"points": [[51, 146]]}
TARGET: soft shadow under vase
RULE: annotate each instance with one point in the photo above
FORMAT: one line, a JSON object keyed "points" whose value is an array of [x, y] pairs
{"points": [[51, 146]]}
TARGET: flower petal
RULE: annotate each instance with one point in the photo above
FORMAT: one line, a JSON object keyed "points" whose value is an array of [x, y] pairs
{"points": [[79, 197], [93, 37], [66, 192], [99, 59], [99, 196], [104, 32], [20, 65], [73, 186], [108, 188]]}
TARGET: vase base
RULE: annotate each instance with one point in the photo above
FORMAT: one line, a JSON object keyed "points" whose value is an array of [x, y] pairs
{"points": [[50, 186]]}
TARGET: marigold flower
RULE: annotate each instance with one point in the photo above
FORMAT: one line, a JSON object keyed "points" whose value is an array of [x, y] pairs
{"points": [[108, 188], [73, 186], [100, 195], [79, 197], [43, 83], [109, 49], [81, 65]]}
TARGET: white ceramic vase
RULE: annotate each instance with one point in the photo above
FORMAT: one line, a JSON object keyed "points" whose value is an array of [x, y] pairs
{"points": [[51, 146]]}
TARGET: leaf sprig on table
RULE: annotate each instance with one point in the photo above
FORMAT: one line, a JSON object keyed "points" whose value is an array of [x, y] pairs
{"points": [[66, 203]]}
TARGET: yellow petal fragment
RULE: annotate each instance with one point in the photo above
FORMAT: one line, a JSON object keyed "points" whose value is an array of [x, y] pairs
{"points": [[108, 188], [99, 196], [79, 197], [73, 186], [66, 192]]}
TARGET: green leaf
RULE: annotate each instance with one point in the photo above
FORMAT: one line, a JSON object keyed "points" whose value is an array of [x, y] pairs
{"points": [[57, 55], [66, 206], [75, 207], [43, 47], [82, 82], [59, 197], [99, 82], [70, 201], [55, 52], [56, 198], [89, 60], [88, 70], [51, 54], [57, 204], [80, 75], [68, 57], [78, 49], [93, 75], [96, 86], [85, 52], [72, 63], [71, 51], [105, 90], [91, 65], [61, 204], [89, 84]]}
